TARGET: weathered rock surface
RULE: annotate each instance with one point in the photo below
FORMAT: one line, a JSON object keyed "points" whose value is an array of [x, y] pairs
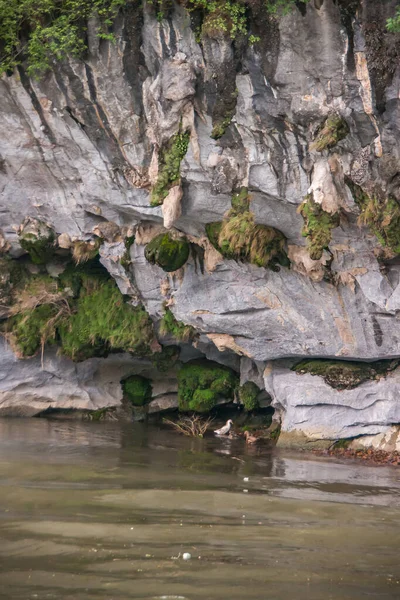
{"points": [[80, 147]]}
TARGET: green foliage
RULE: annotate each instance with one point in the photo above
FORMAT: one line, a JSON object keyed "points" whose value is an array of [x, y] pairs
{"points": [[169, 171], [170, 326], [318, 225], [137, 389], [248, 393], [84, 312], [168, 253], [381, 216], [201, 382], [239, 238], [393, 24], [345, 375], [103, 319], [31, 328], [335, 129], [46, 30]]}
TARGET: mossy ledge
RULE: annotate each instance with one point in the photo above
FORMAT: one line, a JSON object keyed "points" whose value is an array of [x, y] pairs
{"points": [[318, 225], [201, 383], [345, 375], [168, 252], [169, 170], [238, 237]]}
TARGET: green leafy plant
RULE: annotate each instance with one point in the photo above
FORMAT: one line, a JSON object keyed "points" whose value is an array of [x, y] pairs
{"points": [[393, 24], [318, 225], [42, 31]]}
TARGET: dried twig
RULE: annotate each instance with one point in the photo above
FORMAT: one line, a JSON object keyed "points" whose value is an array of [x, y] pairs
{"points": [[193, 426]]}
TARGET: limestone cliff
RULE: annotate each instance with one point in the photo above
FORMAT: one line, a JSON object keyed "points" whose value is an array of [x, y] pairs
{"points": [[306, 120]]}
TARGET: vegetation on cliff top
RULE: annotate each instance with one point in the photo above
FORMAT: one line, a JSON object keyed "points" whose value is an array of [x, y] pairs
{"points": [[345, 375], [238, 237], [44, 31]]}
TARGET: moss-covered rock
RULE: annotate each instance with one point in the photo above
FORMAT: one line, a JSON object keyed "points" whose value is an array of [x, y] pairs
{"points": [[202, 382], [169, 170], [248, 393], [102, 318], [318, 225], [137, 390], [345, 375], [333, 131], [37, 239], [85, 251], [171, 326], [167, 252]]}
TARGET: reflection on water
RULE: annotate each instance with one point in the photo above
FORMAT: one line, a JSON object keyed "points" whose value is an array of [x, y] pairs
{"points": [[105, 511]]}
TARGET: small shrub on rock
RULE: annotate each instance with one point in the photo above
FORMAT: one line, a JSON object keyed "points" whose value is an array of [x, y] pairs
{"points": [[318, 225], [167, 252], [201, 383]]}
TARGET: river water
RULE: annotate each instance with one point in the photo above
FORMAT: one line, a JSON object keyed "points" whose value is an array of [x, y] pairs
{"points": [[106, 511]]}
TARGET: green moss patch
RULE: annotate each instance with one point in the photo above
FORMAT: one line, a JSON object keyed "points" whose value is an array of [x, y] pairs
{"points": [[169, 170], [201, 383], [333, 131], [103, 318], [248, 393], [84, 313], [238, 237], [318, 225], [167, 252], [137, 390], [345, 375], [170, 326], [167, 359]]}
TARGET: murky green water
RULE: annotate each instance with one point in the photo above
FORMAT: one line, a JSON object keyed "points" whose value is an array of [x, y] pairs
{"points": [[104, 511]]}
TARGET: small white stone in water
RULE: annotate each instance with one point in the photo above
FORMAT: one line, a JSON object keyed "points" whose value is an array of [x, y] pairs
{"points": [[186, 556], [245, 491], [245, 479]]}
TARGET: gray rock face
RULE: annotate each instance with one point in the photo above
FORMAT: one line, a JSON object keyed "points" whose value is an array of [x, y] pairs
{"points": [[309, 406], [81, 147]]}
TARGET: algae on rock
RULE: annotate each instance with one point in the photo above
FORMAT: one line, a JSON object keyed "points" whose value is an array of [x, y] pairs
{"points": [[318, 225], [202, 382], [168, 252], [345, 375]]}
